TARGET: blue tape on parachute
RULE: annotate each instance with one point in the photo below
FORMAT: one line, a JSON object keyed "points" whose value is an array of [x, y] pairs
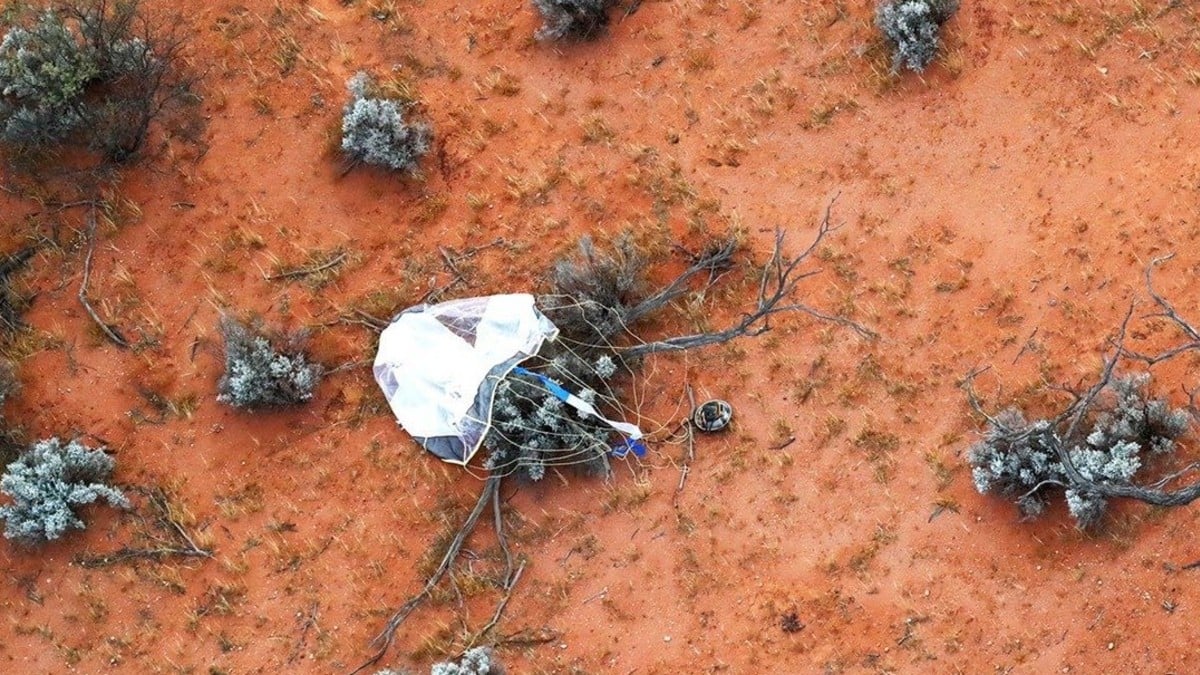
{"points": [[552, 386], [628, 445]]}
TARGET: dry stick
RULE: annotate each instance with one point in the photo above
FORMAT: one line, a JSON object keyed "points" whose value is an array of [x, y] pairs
{"points": [[688, 456], [384, 640], [779, 280], [498, 524], [310, 620], [510, 583], [158, 501], [110, 333], [308, 271], [528, 638], [1025, 347]]}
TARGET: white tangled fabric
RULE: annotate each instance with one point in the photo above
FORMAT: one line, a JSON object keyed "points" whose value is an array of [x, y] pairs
{"points": [[438, 366]]}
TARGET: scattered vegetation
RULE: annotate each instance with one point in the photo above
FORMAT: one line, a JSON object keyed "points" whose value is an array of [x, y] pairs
{"points": [[262, 371], [1020, 459], [47, 482], [912, 26], [1093, 448], [572, 19], [374, 130], [92, 74]]}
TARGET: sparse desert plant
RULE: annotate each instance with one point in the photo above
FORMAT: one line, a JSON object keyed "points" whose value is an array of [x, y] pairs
{"points": [[912, 28], [89, 73], [477, 661], [572, 19], [1020, 459], [374, 129], [263, 371], [47, 482], [1096, 445]]}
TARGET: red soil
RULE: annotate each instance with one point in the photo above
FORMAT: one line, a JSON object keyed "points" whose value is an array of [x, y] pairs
{"points": [[998, 211]]}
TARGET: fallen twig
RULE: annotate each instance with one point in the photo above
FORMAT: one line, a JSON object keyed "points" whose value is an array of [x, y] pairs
{"points": [[510, 583], [308, 271], [384, 640], [162, 517], [310, 621], [109, 332], [528, 638], [690, 435]]}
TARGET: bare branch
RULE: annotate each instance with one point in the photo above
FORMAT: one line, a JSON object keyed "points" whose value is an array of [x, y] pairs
{"points": [[308, 271], [387, 637], [109, 332], [161, 516], [777, 283], [1167, 311]]}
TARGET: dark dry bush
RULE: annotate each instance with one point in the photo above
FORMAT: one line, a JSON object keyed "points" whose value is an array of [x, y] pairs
{"points": [[262, 371], [91, 74], [572, 19]]}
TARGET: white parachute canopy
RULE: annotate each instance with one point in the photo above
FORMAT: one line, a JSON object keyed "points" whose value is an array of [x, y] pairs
{"points": [[438, 366]]}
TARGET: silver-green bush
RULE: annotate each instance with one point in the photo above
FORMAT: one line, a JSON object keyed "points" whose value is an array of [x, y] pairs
{"points": [[912, 26], [261, 374], [47, 482], [1020, 459], [477, 661], [374, 130]]}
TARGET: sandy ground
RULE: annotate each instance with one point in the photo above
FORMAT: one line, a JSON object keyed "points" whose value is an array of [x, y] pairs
{"points": [[998, 211]]}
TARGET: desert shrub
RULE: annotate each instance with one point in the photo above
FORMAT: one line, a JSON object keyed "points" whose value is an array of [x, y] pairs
{"points": [[262, 371], [46, 482], [477, 661], [591, 295], [374, 130], [596, 291], [1019, 459], [88, 73], [572, 19], [597, 297], [912, 26], [533, 430]]}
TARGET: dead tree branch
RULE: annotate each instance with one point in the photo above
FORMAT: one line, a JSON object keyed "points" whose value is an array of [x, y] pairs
{"points": [[777, 285], [298, 272], [387, 637], [509, 584], [109, 331], [176, 543], [1166, 311]]}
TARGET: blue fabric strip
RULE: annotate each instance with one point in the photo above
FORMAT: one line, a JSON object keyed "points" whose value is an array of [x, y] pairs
{"points": [[619, 450]]}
